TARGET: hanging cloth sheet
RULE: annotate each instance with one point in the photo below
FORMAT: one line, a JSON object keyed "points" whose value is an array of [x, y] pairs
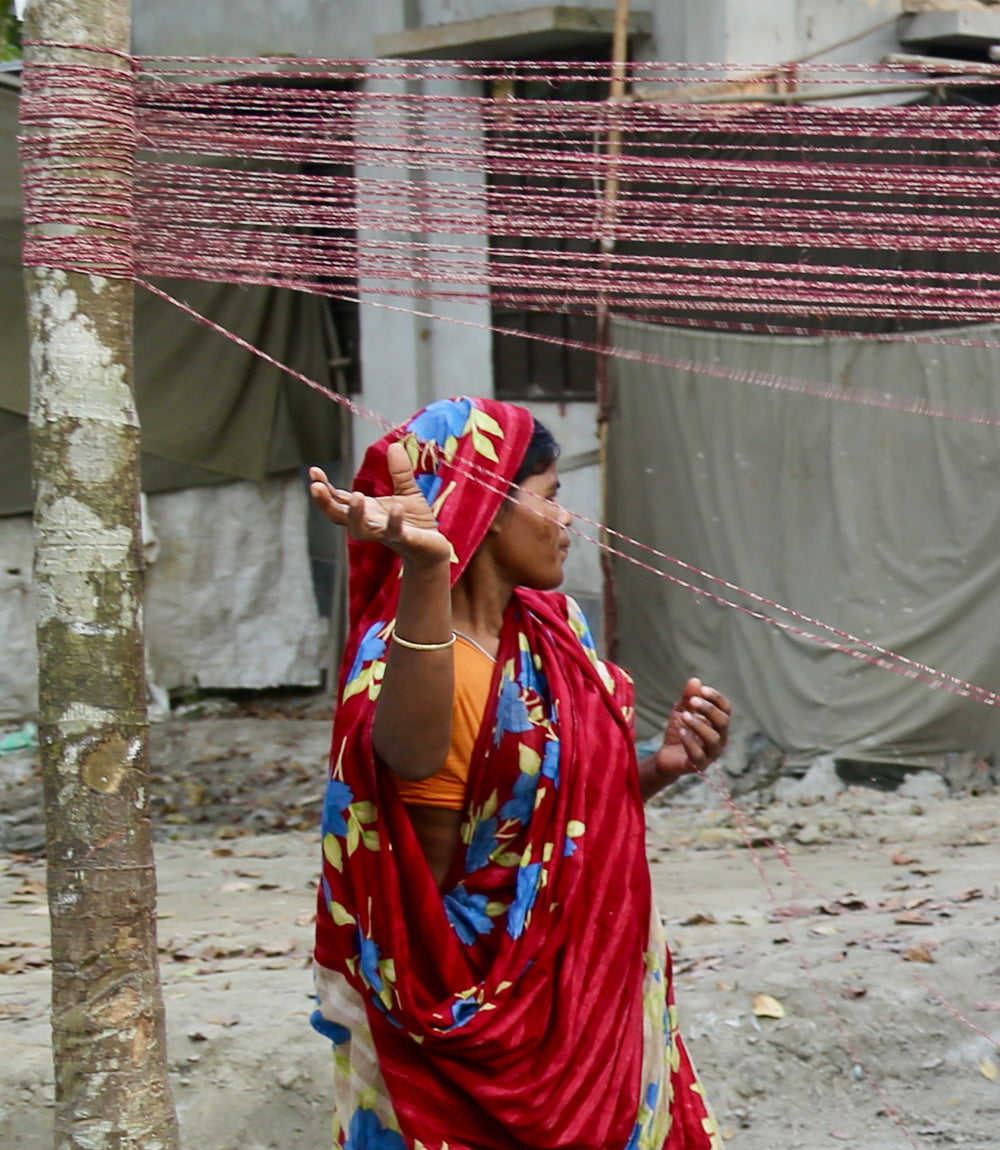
{"points": [[881, 523]]}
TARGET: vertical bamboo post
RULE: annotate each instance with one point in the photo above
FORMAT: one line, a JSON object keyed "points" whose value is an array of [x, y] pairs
{"points": [[619, 59]]}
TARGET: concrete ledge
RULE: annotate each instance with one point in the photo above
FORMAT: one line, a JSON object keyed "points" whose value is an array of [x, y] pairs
{"points": [[534, 32], [962, 29]]}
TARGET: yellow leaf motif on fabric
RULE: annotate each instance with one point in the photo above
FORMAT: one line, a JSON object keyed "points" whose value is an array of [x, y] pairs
{"points": [[409, 441], [480, 420], [439, 502], [333, 852], [484, 447], [387, 970], [358, 815], [529, 760], [338, 768], [475, 817], [368, 679], [340, 914], [507, 859]]}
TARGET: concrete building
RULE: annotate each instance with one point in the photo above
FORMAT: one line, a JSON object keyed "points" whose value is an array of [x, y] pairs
{"points": [[406, 358]]}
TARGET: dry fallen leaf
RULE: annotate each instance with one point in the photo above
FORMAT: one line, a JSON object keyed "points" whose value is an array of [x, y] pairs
{"points": [[912, 918], [700, 918], [223, 1020], [988, 1069], [274, 949], [764, 1006], [968, 895], [918, 953]]}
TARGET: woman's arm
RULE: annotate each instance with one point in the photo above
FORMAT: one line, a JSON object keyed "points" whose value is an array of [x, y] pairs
{"points": [[694, 737], [412, 726]]}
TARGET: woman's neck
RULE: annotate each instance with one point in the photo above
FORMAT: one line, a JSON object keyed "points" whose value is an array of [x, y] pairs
{"points": [[478, 602]]}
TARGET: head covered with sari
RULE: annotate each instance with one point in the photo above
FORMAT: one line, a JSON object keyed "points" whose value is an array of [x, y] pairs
{"points": [[506, 1008]]}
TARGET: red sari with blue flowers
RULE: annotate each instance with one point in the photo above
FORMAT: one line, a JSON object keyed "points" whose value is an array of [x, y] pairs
{"points": [[527, 1003]]}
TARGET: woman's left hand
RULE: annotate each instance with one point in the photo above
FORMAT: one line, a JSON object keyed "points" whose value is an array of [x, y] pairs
{"points": [[696, 732]]}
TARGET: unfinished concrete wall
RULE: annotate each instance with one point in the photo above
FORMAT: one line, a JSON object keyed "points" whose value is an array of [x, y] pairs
{"points": [[334, 28]]}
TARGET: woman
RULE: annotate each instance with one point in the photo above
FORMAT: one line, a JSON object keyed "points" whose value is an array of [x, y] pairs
{"points": [[490, 965]]}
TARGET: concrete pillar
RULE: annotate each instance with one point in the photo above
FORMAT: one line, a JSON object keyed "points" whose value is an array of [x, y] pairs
{"points": [[414, 355]]}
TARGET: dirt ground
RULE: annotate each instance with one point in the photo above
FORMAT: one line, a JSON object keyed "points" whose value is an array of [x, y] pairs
{"points": [[868, 920]]}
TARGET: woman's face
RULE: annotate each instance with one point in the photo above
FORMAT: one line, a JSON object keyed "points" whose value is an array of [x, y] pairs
{"points": [[528, 538]]}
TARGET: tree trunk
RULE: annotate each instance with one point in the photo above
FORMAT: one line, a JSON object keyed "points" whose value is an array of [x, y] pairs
{"points": [[107, 1008]]}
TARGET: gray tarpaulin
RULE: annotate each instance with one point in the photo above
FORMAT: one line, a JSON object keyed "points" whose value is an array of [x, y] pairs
{"points": [[882, 524]]}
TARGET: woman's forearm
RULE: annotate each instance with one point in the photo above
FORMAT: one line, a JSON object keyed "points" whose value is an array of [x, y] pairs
{"points": [[412, 725], [651, 779]]}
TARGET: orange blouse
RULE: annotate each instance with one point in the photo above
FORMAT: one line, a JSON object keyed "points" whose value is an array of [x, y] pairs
{"points": [[446, 787]]}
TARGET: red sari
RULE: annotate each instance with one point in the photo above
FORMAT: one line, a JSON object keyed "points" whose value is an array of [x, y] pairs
{"points": [[526, 1004]]}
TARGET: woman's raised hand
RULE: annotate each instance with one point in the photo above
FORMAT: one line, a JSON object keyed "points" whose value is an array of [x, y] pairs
{"points": [[401, 521]]}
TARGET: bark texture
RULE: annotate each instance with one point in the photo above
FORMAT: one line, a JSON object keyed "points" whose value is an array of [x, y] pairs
{"points": [[107, 1008]]}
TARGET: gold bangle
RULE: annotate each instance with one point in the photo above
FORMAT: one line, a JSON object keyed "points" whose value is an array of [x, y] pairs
{"points": [[425, 646]]}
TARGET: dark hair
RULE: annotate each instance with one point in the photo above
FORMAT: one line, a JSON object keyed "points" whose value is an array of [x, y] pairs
{"points": [[542, 451]]}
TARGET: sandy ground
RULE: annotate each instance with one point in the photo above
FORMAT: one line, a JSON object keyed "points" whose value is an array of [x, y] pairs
{"points": [[870, 921]]}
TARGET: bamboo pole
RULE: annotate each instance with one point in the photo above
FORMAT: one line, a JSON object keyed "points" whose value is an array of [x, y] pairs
{"points": [[616, 93]]}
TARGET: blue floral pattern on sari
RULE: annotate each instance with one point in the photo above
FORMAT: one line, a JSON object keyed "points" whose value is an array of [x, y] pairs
{"points": [[528, 878], [462, 1009], [522, 803], [368, 962], [366, 1132], [550, 761], [467, 914], [512, 714], [430, 485], [338, 798], [441, 421], [483, 844], [371, 647]]}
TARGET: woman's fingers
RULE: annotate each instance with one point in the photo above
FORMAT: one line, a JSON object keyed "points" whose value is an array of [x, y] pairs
{"points": [[401, 470], [402, 521]]}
